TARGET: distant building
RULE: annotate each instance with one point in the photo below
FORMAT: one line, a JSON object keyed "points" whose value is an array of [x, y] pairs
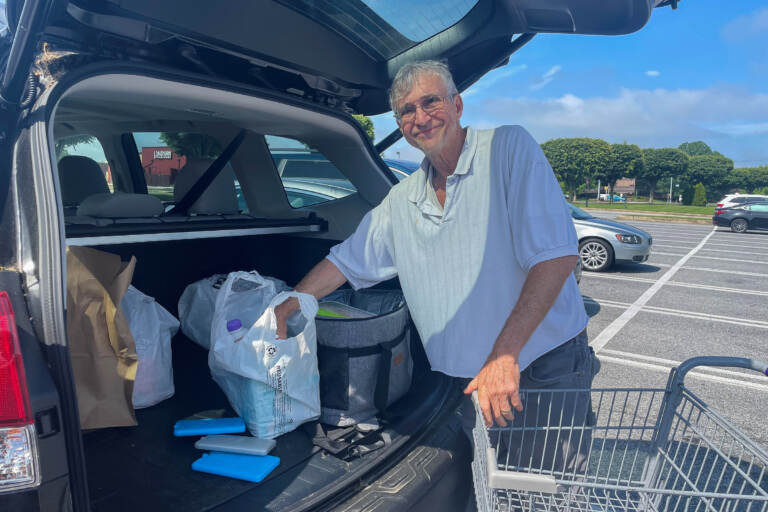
{"points": [[106, 170], [161, 165], [624, 186]]}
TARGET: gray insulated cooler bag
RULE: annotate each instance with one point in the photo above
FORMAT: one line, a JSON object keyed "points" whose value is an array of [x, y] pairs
{"points": [[364, 356]]}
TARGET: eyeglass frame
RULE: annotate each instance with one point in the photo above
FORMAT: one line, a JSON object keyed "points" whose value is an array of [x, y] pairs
{"points": [[420, 105]]}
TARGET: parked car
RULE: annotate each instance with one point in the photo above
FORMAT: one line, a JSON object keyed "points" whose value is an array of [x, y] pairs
{"points": [[732, 200], [402, 168], [113, 71], [607, 197], [603, 242], [743, 218]]}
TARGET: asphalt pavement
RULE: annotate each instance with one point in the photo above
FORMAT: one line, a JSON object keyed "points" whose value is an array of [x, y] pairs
{"points": [[703, 292]]}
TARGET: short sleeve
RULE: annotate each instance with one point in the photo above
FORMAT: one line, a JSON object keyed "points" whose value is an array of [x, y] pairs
{"points": [[365, 258], [542, 226]]}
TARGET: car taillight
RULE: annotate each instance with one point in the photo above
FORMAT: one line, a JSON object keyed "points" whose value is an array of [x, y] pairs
{"points": [[719, 205], [719, 212], [19, 466]]}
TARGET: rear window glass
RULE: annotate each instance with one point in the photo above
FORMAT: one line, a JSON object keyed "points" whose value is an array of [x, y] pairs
{"points": [[83, 168], [384, 28], [163, 155], [421, 20], [308, 177]]}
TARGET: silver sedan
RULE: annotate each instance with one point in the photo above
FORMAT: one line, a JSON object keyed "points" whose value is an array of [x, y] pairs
{"points": [[604, 242]]}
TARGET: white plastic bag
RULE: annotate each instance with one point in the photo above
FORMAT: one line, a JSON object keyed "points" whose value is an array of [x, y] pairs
{"points": [[196, 308], [152, 328], [272, 384], [198, 301]]}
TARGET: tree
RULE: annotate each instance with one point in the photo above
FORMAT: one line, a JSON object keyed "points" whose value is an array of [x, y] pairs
{"points": [[624, 160], [576, 161], [748, 179], [192, 145], [64, 143], [366, 123], [713, 171], [699, 195], [662, 163], [695, 148]]}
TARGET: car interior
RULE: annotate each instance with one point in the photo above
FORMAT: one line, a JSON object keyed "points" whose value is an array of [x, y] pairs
{"points": [[122, 215]]}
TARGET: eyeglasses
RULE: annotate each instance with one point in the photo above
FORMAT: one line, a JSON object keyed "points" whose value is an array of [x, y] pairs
{"points": [[429, 104]]}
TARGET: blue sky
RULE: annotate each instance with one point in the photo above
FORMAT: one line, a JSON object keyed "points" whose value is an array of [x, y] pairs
{"points": [[696, 73]]}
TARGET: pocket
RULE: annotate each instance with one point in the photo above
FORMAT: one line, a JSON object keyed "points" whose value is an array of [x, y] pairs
{"points": [[564, 367]]}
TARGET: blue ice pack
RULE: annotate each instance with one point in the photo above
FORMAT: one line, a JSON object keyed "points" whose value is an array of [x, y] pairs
{"points": [[253, 468], [208, 426]]}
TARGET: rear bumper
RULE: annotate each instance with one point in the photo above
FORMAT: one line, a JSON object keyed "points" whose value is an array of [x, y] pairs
{"points": [[717, 220], [435, 475]]}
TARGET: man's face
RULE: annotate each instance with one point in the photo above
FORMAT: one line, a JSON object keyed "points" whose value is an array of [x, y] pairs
{"points": [[431, 132]]}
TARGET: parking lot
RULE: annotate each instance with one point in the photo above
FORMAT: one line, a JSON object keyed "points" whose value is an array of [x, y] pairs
{"points": [[703, 291]]}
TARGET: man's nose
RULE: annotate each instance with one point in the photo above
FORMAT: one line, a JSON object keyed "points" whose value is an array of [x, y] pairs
{"points": [[421, 116]]}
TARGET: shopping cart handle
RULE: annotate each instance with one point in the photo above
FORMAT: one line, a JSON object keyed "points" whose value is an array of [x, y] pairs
{"points": [[519, 481], [733, 362]]}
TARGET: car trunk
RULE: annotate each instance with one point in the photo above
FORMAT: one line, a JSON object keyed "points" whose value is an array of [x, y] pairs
{"points": [[135, 467]]}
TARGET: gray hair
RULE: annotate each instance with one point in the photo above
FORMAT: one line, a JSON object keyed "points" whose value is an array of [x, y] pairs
{"points": [[406, 78]]}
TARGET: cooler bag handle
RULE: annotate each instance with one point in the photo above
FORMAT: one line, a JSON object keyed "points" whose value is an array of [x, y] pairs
{"points": [[381, 393]]}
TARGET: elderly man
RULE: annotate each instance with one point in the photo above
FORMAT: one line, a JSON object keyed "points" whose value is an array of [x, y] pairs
{"points": [[484, 247]]}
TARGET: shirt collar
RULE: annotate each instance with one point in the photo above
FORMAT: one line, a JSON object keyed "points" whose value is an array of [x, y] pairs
{"points": [[418, 193]]}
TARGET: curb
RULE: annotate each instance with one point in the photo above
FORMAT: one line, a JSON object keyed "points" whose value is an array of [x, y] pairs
{"points": [[661, 218]]}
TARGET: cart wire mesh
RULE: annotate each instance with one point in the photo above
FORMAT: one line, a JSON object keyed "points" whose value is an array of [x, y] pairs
{"points": [[618, 450]]}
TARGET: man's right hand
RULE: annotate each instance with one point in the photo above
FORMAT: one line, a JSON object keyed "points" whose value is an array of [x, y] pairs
{"points": [[282, 312]]}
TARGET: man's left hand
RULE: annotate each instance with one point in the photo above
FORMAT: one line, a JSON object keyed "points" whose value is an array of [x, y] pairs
{"points": [[498, 385]]}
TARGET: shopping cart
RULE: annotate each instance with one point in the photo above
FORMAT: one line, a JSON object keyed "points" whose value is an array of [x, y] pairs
{"points": [[632, 449]]}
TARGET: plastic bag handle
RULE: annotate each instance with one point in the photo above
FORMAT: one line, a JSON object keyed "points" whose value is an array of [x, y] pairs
{"points": [[254, 277], [307, 304]]}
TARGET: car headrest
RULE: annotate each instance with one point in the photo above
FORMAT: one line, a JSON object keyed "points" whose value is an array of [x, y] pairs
{"points": [[219, 198], [80, 177], [120, 205]]}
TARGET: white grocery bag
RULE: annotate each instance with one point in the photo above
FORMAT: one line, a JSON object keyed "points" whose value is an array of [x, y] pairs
{"points": [[152, 328], [198, 302], [272, 384], [196, 308]]}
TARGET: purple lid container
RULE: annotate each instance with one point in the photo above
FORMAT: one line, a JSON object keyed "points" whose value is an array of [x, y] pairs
{"points": [[234, 324]]}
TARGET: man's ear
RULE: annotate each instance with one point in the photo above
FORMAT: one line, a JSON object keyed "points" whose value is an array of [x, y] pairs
{"points": [[459, 103]]}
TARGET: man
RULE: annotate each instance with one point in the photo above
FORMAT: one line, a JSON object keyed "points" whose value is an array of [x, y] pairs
{"points": [[484, 247]]}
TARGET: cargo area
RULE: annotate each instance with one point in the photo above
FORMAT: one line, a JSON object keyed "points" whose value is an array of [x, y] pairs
{"points": [[130, 467]]}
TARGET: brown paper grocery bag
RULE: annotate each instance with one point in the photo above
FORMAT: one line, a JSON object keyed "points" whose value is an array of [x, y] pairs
{"points": [[101, 347]]}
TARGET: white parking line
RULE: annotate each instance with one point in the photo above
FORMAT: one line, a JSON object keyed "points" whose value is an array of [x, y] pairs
{"points": [[746, 322], [680, 284], [670, 363], [714, 258], [609, 332], [738, 245], [722, 271], [659, 253], [737, 251], [693, 373]]}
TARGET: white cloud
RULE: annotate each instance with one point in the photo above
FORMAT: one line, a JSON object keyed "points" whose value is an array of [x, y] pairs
{"points": [[740, 128], [744, 28], [493, 77], [546, 78], [652, 72], [728, 118]]}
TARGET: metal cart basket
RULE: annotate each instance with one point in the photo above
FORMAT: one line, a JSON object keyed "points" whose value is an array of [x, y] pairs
{"points": [[621, 450]]}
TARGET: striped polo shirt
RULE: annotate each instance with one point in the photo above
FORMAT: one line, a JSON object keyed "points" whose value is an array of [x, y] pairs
{"points": [[462, 267]]}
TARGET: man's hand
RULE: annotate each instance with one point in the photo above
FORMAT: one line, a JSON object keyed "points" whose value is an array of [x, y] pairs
{"points": [[282, 312], [498, 382], [498, 386]]}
